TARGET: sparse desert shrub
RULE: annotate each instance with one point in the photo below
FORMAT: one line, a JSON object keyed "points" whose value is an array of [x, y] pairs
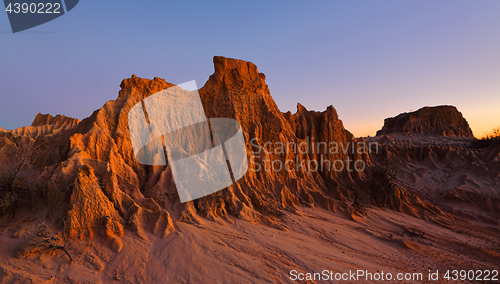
{"points": [[15, 188], [14, 191], [42, 239], [17, 172], [491, 139]]}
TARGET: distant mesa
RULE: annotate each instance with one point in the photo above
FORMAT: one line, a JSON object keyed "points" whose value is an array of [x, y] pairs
{"points": [[439, 120]]}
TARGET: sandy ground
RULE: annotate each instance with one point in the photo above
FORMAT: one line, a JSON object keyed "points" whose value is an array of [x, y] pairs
{"points": [[242, 252]]}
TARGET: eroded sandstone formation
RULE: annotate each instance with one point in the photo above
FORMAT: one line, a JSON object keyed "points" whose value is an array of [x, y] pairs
{"points": [[86, 173]]}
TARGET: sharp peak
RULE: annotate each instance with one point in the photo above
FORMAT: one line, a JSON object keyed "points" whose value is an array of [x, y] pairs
{"points": [[302, 109], [233, 69]]}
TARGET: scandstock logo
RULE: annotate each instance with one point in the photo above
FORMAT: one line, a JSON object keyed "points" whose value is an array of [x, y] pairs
{"points": [[205, 155], [26, 14]]}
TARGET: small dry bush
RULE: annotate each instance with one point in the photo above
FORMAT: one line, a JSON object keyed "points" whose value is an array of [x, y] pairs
{"points": [[491, 139], [41, 240]]}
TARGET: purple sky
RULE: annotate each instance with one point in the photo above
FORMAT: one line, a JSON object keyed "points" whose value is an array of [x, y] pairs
{"points": [[369, 59]]}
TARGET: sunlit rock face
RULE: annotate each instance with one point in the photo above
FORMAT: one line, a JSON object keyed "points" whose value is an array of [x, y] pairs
{"points": [[306, 158], [82, 182]]}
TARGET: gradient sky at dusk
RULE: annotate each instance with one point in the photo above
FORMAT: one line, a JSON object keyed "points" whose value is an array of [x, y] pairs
{"points": [[369, 59]]}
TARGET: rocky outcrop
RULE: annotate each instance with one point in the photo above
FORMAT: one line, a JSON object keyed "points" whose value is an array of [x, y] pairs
{"points": [[446, 172], [303, 159], [82, 188], [438, 120], [46, 124], [59, 120], [91, 211], [237, 90]]}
